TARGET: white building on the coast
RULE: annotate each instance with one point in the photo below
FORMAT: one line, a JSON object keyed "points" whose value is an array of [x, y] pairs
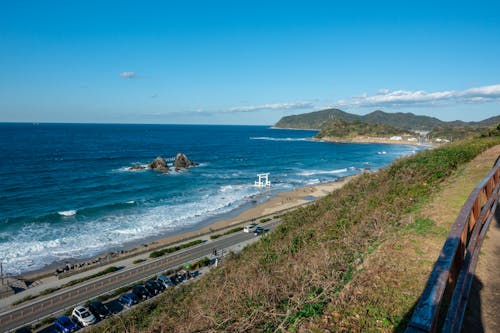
{"points": [[396, 138]]}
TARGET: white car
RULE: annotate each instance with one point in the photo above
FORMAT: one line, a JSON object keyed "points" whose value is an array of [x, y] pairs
{"points": [[249, 228], [83, 316]]}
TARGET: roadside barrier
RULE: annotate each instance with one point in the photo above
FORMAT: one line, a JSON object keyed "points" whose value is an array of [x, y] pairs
{"points": [[448, 287]]}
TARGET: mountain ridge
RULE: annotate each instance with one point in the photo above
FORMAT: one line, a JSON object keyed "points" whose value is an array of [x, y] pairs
{"points": [[406, 121]]}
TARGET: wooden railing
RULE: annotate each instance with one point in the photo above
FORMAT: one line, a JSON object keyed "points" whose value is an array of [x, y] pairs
{"points": [[442, 304]]}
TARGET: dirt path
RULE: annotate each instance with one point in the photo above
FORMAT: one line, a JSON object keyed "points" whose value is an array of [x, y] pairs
{"points": [[483, 313]]}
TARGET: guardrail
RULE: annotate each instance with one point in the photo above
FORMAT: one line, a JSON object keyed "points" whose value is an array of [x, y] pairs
{"points": [[444, 299]]}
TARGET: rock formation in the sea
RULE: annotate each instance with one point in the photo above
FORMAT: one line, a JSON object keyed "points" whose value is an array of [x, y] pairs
{"points": [[159, 164], [137, 167], [182, 161]]}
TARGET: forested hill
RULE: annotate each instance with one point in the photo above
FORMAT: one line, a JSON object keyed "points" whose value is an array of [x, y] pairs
{"points": [[404, 121], [339, 128], [315, 120]]}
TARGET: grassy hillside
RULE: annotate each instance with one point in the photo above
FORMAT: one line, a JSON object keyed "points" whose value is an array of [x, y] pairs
{"points": [[293, 274], [453, 133], [342, 129], [490, 121]]}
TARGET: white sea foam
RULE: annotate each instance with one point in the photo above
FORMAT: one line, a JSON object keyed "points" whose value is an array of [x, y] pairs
{"points": [[128, 168], [322, 172], [278, 139], [131, 202], [313, 181], [381, 152], [67, 213], [38, 244]]}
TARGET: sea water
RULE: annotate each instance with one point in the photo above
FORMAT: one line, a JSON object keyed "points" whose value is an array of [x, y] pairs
{"points": [[66, 190]]}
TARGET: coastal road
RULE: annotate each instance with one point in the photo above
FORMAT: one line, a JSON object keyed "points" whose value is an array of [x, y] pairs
{"points": [[60, 301]]}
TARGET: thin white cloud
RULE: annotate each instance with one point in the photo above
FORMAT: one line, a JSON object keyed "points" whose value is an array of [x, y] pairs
{"points": [[128, 75], [402, 98], [275, 106]]}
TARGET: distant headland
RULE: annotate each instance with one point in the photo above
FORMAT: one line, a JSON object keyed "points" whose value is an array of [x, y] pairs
{"points": [[382, 127]]}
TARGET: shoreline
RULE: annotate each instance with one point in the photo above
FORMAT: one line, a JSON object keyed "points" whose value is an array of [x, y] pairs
{"points": [[277, 204], [362, 139], [359, 139], [294, 129]]}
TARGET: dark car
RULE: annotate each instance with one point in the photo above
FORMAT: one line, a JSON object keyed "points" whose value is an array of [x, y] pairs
{"points": [[99, 310], [160, 285], [259, 230], [176, 279], [129, 299], [65, 325], [165, 281], [153, 287], [142, 292]]}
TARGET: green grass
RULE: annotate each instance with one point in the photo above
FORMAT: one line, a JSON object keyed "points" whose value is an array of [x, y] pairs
{"points": [[421, 226]]}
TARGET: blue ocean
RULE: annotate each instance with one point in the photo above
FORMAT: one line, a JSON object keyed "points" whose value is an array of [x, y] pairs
{"points": [[66, 190]]}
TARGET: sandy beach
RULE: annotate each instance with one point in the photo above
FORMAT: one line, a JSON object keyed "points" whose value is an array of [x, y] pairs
{"points": [[277, 204], [367, 139]]}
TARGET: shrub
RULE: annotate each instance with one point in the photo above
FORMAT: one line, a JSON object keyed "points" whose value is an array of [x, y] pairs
{"points": [[230, 231], [47, 321], [162, 252], [138, 261], [201, 263]]}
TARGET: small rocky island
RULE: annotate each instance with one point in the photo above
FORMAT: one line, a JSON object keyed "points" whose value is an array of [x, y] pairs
{"points": [[160, 164], [183, 162]]}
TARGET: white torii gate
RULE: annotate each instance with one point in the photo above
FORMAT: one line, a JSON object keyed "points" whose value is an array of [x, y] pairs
{"points": [[263, 180]]}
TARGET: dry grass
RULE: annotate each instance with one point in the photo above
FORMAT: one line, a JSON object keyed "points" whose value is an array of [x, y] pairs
{"points": [[382, 295]]}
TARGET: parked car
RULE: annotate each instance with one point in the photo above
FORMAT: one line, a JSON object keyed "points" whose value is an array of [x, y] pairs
{"points": [[176, 279], [165, 280], [153, 287], [65, 325], [142, 292], [160, 285], [99, 310], [128, 299], [83, 316], [257, 231], [249, 228]]}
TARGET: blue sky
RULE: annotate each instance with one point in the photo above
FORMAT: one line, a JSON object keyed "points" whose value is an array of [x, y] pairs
{"points": [[246, 62]]}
